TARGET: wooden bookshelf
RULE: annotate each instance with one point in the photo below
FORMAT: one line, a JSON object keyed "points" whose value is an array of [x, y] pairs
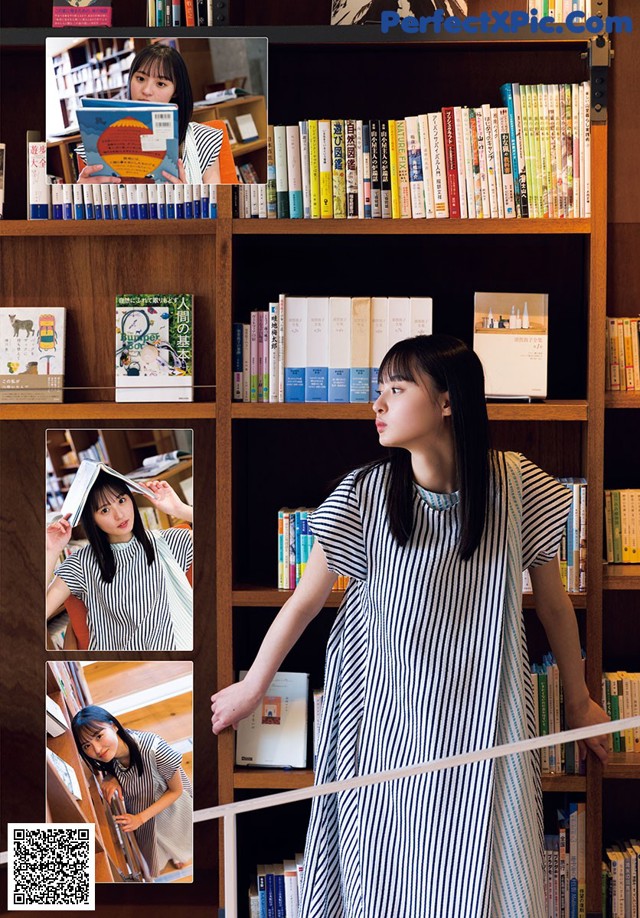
{"points": [[230, 266]]}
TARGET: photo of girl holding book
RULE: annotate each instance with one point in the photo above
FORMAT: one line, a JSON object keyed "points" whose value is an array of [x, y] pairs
{"points": [[147, 775], [427, 657], [132, 580], [159, 74]]}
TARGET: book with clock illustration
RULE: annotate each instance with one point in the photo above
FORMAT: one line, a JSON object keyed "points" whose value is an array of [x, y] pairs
{"points": [[154, 347]]}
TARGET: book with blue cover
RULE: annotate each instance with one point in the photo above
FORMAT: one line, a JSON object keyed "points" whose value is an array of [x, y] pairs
{"points": [[135, 141]]}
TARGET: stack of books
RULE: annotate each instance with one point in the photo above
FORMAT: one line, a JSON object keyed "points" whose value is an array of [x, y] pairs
{"points": [[621, 879], [133, 201], [623, 355], [276, 890], [548, 699], [622, 525], [621, 698], [295, 541], [565, 864]]}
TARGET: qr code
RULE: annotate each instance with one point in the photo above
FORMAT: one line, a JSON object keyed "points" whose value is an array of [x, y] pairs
{"points": [[51, 866]]}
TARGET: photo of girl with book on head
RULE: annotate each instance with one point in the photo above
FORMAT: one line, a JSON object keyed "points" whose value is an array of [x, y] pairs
{"points": [[146, 773], [132, 580], [159, 74], [427, 657]]}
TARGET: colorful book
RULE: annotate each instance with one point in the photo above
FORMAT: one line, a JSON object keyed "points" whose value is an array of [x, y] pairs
{"points": [[72, 14], [32, 352]]}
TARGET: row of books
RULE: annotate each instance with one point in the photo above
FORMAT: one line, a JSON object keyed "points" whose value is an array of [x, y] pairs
{"points": [[621, 880], [153, 358], [559, 9], [623, 354], [573, 544], [276, 890], [621, 698], [528, 158], [565, 864], [548, 699], [321, 348], [133, 201], [295, 541], [622, 525]]}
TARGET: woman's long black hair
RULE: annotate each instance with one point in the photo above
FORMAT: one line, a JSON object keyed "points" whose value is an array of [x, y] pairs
{"points": [[108, 486], [87, 723], [455, 369], [165, 62]]}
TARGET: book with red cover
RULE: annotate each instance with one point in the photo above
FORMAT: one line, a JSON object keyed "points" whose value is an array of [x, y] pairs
{"points": [[72, 13]]}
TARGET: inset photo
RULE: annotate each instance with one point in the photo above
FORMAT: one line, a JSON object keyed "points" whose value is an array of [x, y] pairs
{"points": [[120, 755], [119, 539]]}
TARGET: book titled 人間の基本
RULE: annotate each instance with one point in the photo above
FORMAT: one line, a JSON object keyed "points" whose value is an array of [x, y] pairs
{"points": [[275, 734], [154, 347], [32, 354], [510, 336]]}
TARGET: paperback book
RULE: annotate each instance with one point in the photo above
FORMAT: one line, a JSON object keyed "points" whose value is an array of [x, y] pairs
{"points": [[32, 354], [83, 482], [136, 141], [275, 734], [510, 336], [71, 14], [154, 347]]}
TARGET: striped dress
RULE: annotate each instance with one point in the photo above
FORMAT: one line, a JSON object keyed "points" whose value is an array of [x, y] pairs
{"points": [[132, 612], [427, 658], [169, 835]]}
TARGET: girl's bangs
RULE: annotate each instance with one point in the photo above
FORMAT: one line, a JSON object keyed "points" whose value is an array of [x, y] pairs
{"points": [[156, 65], [399, 363], [90, 729], [103, 493]]}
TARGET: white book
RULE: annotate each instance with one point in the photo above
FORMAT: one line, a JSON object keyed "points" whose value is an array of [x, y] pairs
{"points": [[262, 202], [282, 180], [586, 133], [67, 774], [255, 204], [294, 171], [339, 348], [360, 169], [56, 721], [482, 162], [96, 193], [246, 362], [281, 330], [275, 734], [379, 340], [514, 359], [274, 338], [290, 889], [132, 199], [78, 202], [399, 326], [143, 199], [32, 354], [115, 204], [188, 199], [56, 201], [578, 160], [360, 361], [122, 200], [38, 189], [468, 163], [416, 176], [247, 127], [67, 202], [427, 174], [317, 371], [295, 348], [490, 158], [460, 163], [508, 187], [497, 160], [421, 310], [304, 169]]}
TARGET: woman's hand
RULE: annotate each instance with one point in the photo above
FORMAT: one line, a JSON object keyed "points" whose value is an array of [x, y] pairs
{"points": [[584, 715], [58, 535], [89, 176], [181, 178], [231, 705], [109, 787], [167, 500], [129, 822]]}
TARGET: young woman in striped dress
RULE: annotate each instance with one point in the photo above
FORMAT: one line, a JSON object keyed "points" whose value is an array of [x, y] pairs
{"points": [[132, 580], [147, 774], [427, 657]]}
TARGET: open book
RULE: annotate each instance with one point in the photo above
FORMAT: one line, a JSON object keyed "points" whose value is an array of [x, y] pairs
{"points": [[83, 482], [154, 465]]}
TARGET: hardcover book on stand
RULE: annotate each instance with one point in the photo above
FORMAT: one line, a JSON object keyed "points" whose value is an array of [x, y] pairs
{"points": [[275, 734], [32, 354], [510, 336]]}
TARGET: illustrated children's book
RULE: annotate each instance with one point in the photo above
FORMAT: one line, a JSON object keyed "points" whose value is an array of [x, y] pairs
{"points": [[82, 483], [510, 336], [136, 141], [154, 347], [275, 734], [31, 354], [73, 13], [367, 12]]}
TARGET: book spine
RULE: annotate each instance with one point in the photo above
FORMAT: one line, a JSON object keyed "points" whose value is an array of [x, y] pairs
{"points": [[338, 177], [490, 160], [282, 185], [506, 91], [264, 345], [294, 172], [253, 359], [403, 171], [273, 352], [237, 361], [393, 169], [295, 348], [482, 163], [385, 173], [360, 169], [314, 169], [497, 160], [189, 13], [325, 173], [438, 164], [351, 167], [465, 114], [339, 348], [317, 368], [281, 334], [376, 191], [39, 193], [360, 363], [451, 157], [246, 362], [304, 167], [508, 186], [272, 207], [366, 170], [416, 179]]}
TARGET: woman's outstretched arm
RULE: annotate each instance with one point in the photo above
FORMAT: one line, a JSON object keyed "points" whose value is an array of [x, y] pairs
{"points": [[129, 822], [230, 705]]}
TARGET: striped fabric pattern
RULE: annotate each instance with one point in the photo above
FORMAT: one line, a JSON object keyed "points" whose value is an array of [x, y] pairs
{"points": [[131, 612], [422, 650], [169, 835]]}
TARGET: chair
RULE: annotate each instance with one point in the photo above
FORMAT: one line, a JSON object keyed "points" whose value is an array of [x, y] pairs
{"points": [[77, 612]]}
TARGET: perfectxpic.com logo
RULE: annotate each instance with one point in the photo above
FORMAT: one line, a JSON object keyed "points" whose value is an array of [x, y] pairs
{"points": [[577, 23]]}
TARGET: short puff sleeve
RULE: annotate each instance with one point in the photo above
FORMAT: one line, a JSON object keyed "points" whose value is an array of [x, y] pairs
{"points": [[72, 572], [337, 524], [545, 508], [167, 759], [180, 541]]}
